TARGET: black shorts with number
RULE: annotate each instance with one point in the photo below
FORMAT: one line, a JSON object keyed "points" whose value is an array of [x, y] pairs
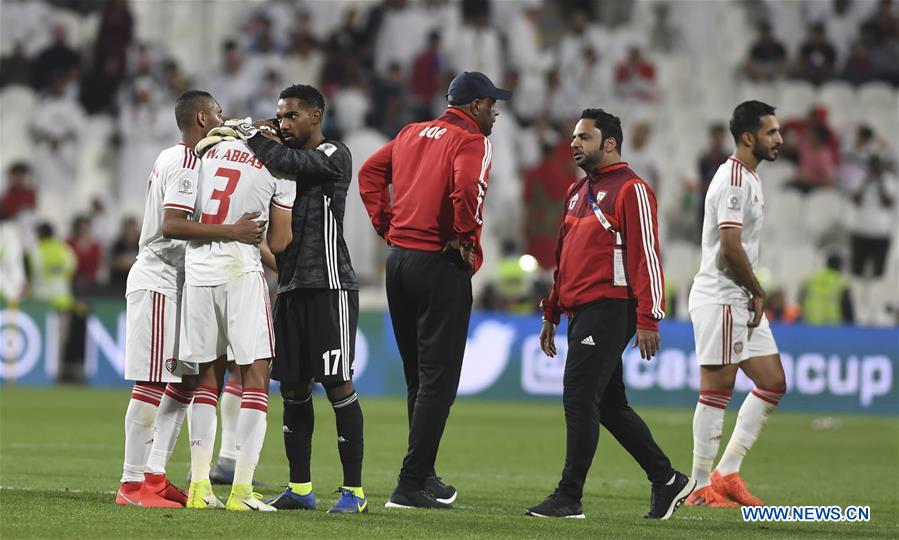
{"points": [[315, 335]]}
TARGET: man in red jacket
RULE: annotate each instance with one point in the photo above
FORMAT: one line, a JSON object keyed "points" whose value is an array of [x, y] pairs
{"points": [[609, 281], [439, 172]]}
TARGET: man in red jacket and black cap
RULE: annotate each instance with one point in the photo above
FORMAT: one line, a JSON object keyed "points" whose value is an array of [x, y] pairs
{"points": [[439, 172], [609, 282]]}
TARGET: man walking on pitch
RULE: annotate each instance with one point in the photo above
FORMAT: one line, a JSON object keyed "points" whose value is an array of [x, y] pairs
{"points": [[609, 281], [726, 307], [159, 398], [439, 171], [317, 309]]}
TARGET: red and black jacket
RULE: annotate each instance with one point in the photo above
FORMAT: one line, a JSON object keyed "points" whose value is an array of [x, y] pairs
{"points": [[586, 249], [439, 171]]}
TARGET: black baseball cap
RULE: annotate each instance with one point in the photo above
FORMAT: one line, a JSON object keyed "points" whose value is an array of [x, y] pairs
{"points": [[471, 85]]}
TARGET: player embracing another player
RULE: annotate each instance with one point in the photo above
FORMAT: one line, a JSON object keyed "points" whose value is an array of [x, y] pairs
{"points": [[226, 313], [726, 307], [160, 398]]}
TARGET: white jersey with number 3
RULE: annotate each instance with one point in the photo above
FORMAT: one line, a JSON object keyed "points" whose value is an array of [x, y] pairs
{"points": [[172, 185], [735, 200], [232, 182]]}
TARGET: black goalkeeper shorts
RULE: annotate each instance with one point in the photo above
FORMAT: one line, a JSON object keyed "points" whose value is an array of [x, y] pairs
{"points": [[315, 335]]}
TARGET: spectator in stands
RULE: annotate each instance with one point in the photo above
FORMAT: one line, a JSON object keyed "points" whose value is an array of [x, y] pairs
{"points": [[20, 196], [635, 77], [57, 125], [122, 255], [100, 88], [767, 56], [388, 97], [88, 253], [12, 262], [478, 48], [854, 158], [590, 77], [426, 79], [52, 263], [114, 36], [304, 61], [57, 59], [347, 53], [875, 219], [174, 79], [779, 309], [817, 167], [15, 68], [817, 56], [825, 297], [233, 82], [796, 130], [714, 155], [643, 158]]}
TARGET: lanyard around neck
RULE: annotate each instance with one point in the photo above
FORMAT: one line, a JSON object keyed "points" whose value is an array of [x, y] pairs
{"points": [[594, 205]]}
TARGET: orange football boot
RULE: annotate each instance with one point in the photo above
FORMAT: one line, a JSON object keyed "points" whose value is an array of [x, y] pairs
{"points": [[708, 496], [158, 492], [733, 487], [129, 494]]}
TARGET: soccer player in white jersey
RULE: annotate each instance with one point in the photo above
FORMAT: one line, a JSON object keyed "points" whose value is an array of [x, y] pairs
{"points": [[227, 314], [726, 307], [159, 399]]}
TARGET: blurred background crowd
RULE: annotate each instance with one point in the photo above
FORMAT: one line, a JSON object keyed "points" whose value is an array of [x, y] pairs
{"points": [[87, 103]]}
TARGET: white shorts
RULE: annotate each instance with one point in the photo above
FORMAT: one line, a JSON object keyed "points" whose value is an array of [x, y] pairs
{"points": [[151, 339], [723, 337], [233, 318]]}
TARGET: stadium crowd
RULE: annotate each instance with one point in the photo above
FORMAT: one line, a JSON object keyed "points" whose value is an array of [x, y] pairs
{"points": [[88, 88]]}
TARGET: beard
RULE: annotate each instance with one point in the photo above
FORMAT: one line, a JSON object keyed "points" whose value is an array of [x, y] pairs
{"points": [[763, 154]]}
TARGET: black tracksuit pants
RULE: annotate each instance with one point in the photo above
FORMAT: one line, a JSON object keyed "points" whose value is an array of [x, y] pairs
{"points": [[429, 295], [594, 394]]}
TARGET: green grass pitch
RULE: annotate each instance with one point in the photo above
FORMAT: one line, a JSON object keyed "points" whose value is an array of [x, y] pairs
{"points": [[61, 453]]}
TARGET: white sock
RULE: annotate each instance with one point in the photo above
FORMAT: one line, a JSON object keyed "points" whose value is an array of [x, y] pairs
{"points": [[708, 423], [201, 415], [139, 430], [169, 418], [752, 418], [250, 433], [229, 408]]}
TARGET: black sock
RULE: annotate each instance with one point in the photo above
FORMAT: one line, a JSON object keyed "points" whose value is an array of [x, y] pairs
{"points": [[299, 421], [348, 415]]}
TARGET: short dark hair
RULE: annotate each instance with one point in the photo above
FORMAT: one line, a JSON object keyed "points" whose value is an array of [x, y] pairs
{"points": [[19, 167], [308, 95], [188, 104], [748, 117], [609, 125]]}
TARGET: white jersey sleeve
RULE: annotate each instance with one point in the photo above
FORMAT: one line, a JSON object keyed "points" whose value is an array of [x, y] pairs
{"points": [[160, 260], [285, 193], [729, 199], [180, 189]]}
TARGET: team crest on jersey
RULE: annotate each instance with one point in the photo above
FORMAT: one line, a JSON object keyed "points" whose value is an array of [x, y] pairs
{"points": [[738, 347], [733, 202], [186, 187], [327, 148], [573, 201], [170, 365]]}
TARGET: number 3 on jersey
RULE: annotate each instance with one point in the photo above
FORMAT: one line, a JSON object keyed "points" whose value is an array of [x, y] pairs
{"points": [[223, 196], [331, 355]]}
